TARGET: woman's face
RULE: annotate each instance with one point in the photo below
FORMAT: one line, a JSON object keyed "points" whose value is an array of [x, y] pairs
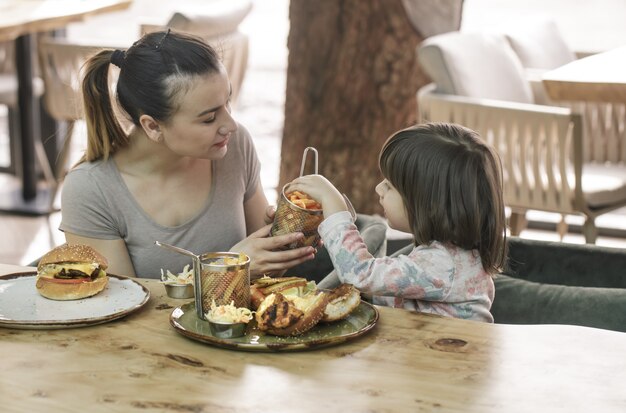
{"points": [[393, 205], [203, 125]]}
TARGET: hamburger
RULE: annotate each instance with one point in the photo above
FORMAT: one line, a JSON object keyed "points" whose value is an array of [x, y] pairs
{"points": [[71, 272]]}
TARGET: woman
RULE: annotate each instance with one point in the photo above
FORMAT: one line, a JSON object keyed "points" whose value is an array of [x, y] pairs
{"points": [[186, 174]]}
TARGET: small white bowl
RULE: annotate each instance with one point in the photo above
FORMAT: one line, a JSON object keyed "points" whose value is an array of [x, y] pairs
{"points": [[179, 290]]}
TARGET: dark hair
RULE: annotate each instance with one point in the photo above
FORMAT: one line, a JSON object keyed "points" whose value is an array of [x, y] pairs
{"points": [[153, 72], [451, 183]]}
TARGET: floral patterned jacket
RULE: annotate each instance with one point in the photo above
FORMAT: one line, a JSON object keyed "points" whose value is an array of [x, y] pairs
{"points": [[437, 278]]}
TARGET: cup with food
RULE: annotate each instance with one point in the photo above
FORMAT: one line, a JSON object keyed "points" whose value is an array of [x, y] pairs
{"points": [[298, 212], [228, 321], [222, 278], [179, 285]]}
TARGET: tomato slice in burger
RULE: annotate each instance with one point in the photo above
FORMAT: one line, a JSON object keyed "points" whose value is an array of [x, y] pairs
{"points": [[66, 280]]}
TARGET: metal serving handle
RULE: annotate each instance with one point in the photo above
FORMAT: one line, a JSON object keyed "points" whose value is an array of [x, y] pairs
{"points": [[197, 271], [306, 150], [315, 157]]}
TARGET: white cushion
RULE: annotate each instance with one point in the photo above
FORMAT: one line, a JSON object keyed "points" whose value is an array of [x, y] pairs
{"points": [[604, 184], [221, 19], [539, 44], [478, 65]]}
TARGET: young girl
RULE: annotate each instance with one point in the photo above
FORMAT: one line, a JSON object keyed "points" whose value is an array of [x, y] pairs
{"points": [[185, 173], [442, 184]]}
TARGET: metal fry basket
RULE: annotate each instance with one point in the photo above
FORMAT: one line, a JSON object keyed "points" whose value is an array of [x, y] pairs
{"points": [[223, 277], [292, 218]]}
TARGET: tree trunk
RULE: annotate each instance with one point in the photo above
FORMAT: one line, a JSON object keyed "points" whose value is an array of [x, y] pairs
{"points": [[351, 82]]}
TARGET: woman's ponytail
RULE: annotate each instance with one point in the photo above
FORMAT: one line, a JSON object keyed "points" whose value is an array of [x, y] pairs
{"points": [[104, 133]]}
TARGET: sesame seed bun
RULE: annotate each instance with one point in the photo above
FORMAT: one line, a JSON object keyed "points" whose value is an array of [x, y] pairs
{"points": [[342, 301], [73, 253]]}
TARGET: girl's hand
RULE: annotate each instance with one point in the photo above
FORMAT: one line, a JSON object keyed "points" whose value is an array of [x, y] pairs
{"points": [[263, 257], [322, 190]]}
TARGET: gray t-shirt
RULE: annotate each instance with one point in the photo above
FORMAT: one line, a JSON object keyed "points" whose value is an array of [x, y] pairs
{"points": [[96, 203]]}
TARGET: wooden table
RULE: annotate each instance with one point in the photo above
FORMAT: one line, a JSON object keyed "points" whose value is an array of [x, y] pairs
{"points": [[409, 362], [19, 19], [597, 78]]}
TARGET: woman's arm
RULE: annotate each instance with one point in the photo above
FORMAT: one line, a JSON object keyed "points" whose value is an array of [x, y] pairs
{"points": [[115, 252], [262, 249], [256, 209]]}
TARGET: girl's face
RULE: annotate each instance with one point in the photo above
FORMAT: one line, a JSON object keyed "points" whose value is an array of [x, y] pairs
{"points": [[203, 125], [393, 205]]}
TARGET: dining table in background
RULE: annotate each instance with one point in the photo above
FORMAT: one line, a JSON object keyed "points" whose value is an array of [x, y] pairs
{"points": [[408, 362], [19, 21], [597, 78]]}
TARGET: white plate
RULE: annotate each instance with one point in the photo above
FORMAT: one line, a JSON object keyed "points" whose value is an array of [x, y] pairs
{"points": [[21, 306]]}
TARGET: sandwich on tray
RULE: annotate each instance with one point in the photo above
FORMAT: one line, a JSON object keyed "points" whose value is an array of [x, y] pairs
{"points": [[288, 306]]}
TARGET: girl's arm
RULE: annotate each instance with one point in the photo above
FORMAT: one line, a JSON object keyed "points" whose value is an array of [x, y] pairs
{"points": [[426, 274], [114, 250]]}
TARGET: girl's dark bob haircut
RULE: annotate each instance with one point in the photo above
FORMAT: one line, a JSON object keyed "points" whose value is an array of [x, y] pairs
{"points": [[451, 183]]}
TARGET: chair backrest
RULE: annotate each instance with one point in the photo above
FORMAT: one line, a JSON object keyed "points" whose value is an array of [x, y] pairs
{"points": [[61, 62], [539, 44], [8, 78], [540, 149], [477, 65], [6, 57]]}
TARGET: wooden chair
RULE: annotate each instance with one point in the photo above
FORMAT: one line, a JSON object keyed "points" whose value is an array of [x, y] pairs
{"points": [[479, 82], [540, 46], [61, 61], [8, 97]]}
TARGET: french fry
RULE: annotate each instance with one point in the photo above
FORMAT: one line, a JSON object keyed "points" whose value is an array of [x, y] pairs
{"points": [[303, 200]]}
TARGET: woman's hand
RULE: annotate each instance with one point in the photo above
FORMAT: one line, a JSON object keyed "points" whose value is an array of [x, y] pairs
{"points": [[270, 212], [263, 257], [322, 190]]}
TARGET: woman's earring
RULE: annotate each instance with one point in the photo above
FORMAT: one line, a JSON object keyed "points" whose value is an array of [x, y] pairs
{"points": [[160, 139]]}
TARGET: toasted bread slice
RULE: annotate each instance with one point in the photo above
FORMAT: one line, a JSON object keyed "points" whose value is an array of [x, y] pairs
{"points": [[265, 286], [341, 302], [290, 315]]}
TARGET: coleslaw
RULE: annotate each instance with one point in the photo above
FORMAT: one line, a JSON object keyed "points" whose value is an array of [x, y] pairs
{"points": [[228, 313]]}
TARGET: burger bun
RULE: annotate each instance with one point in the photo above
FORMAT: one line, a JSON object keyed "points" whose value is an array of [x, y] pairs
{"points": [[63, 292]]}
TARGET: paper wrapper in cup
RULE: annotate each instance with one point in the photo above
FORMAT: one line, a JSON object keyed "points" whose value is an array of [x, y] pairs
{"points": [[223, 277], [292, 218]]}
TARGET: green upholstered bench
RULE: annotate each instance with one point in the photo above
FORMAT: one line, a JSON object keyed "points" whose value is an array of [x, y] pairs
{"points": [[559, 283], [554, 283]]}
